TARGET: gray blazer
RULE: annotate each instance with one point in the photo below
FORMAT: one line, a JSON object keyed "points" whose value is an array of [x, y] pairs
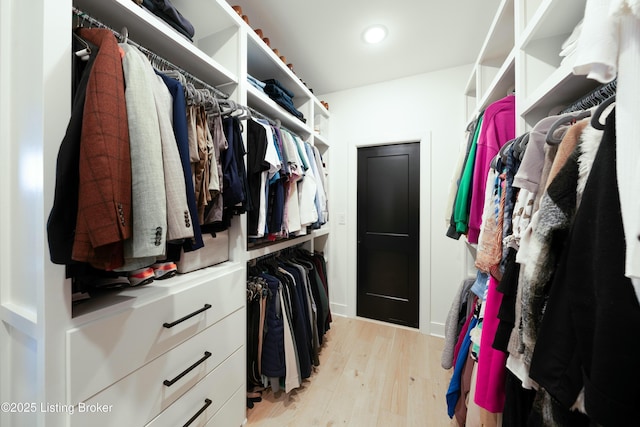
{"points": [[178, 216], [149, 203]]}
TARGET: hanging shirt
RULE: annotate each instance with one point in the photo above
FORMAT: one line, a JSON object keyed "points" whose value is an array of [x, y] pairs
{"points": [[498, 127], [463, 196]]}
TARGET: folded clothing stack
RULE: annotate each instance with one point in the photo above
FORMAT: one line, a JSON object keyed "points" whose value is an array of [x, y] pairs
{"points": [[256, 83], [283, 97], [166, 11]]}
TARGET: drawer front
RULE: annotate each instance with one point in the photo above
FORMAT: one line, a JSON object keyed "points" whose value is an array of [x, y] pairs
{"points": [[232, 414], [106, 350], [139, 397], [226, 380]]}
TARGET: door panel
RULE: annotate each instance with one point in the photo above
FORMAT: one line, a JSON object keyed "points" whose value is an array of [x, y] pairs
{"points": [[388, 233]]}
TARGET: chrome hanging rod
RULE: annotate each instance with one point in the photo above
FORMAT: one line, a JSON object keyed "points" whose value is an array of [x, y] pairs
{"points": [[257, 114], [151, 55]]}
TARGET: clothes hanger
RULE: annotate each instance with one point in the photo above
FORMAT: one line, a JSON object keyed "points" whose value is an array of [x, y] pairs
{"points": [[568, 119], [504, 150], [520, 146], [595, 119], [83, 54], [124, 34]]}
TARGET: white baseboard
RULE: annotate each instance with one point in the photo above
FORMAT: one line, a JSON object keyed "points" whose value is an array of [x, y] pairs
{"points": [[437, 329], [339, 309]]}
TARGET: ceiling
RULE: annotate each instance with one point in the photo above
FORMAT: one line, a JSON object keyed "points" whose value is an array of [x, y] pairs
{"points": [[323, 39]]}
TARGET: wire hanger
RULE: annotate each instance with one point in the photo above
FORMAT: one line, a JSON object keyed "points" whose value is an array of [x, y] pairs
{"points": [[565, 120], [595, 119]]}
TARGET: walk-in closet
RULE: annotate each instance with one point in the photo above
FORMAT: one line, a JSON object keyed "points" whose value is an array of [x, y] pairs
{"points": [[232, 213]]}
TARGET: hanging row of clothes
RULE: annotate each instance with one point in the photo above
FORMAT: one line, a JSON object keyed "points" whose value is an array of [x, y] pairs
{"points": [[287, 317], [147, 165], [538, 338], [287, 183]]}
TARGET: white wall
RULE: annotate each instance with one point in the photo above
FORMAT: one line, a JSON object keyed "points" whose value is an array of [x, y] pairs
{"points": [[428, 108]]}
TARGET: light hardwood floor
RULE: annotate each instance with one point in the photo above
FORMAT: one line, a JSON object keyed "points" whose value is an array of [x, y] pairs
{"points": [[370, 374]]}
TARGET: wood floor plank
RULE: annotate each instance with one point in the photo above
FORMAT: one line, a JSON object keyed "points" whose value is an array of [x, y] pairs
{"points": [[370, 374]]}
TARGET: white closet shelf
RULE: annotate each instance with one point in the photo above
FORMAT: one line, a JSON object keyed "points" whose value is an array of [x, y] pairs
{"points": [[323, 231], [278, 246], [472, 84], [500, 38], [135, 296], [319, 108], [262, 63], [261, 102], [501, 83], [320, 140], [154, 34], [19, 317], [561, 88], [553, 18]]}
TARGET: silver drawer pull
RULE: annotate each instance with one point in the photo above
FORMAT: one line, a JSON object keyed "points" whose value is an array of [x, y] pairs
{"points": [[207, 402], [188, 316], [169, 383]]}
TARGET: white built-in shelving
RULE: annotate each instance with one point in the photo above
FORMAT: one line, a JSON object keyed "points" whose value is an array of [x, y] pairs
{"points": [[40, 325]]}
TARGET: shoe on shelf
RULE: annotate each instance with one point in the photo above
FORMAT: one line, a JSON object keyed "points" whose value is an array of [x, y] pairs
{"points": [[164, 270], [142, 276]]}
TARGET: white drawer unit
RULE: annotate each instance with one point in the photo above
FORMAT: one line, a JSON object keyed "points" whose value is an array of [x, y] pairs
{"points": [[139, 397], [205, 399], [228, 414], [104, 351]]}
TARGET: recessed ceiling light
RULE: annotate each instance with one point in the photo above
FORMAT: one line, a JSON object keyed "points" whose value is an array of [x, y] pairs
{"points": [[375, 34]]}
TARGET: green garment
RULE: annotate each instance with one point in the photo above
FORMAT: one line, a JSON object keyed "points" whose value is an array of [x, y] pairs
{"points": [[463, 196]]}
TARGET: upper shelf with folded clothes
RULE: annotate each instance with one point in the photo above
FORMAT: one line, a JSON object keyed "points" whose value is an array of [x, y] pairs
{"points": [[200, 36], [263, 63]]}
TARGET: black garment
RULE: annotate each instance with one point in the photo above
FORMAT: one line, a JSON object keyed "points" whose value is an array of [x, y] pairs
{"points": [[547, 412], [321, 268], [301, 322], [234, 181], [508, 286], [61, 225], [518, 402], [283, 97], [256, 164], [166, 11], [253, 328], [586, 337], [273, 359]]}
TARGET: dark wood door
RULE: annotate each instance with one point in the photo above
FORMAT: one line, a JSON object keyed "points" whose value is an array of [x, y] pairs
{"points": [[388, 233]]}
